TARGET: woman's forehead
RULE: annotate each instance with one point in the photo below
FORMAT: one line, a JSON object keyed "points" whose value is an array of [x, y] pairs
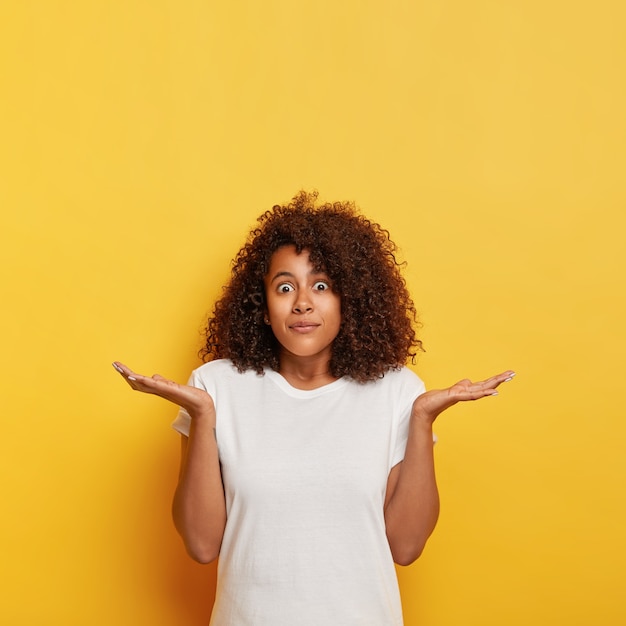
{"points": [[288, 259]]}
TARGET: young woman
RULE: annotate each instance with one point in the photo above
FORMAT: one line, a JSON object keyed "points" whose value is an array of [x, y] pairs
{"points": [[307, 445]]}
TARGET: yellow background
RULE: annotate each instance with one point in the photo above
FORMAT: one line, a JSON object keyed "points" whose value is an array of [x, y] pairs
{"points": [[140, 140]]}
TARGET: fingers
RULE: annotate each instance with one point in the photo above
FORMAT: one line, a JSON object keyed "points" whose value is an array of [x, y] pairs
{"points": [[138, 381], [496, 381], [503, 377], [432, 403], [196, 402], [120, 367], [126, 372], [467, 390], [157, 385]]}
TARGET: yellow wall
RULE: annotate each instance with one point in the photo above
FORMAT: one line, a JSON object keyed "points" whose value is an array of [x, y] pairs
{"points": [[138, 143]]}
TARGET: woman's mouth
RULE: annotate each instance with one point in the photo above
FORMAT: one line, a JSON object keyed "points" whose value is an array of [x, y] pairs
{"points": [[304, 327]]}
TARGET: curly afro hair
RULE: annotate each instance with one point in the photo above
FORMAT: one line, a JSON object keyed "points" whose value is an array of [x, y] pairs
{"points": [[378, 316]]}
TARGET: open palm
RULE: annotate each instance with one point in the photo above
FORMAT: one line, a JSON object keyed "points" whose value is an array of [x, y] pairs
{"points": [[430, 404], [192, 399]]}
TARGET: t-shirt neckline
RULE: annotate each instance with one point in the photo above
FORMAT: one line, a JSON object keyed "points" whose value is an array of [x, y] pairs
{"points": [[289, 389]]}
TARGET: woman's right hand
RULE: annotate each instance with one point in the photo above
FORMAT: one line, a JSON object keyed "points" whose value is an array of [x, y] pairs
{"points": [[195, 401], [199, 507]]}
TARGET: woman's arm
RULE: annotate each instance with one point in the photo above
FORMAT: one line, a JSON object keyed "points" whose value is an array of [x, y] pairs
{"points": [[199, 508], [412, 500]]}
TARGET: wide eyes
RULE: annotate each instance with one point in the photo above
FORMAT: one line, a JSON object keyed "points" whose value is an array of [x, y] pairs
{"points": [[319, 286]]}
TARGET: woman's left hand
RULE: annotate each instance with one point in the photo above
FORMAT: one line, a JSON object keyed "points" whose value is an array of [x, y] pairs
{"points": [[430, 404]]}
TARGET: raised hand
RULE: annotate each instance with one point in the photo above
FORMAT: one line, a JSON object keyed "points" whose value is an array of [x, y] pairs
{"points": [[192, 399], [430, 404]]}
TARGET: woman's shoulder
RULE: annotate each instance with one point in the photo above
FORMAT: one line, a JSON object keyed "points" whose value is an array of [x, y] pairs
{"points": [[221, 370], [403, 378], [217, 365], [221, 375]]}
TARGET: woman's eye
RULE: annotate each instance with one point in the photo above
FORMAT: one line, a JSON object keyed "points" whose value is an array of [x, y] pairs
{"points": [[320, 285], [285, 288]]}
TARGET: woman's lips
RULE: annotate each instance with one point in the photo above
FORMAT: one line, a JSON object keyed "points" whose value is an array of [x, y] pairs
{"points": [[304, 327]]}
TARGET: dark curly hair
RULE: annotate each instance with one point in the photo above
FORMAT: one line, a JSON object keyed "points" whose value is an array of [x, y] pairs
{"points": [[377, 331]]}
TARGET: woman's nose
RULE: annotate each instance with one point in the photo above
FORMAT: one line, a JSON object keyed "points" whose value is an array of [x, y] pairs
{"points": [[302, 305]]}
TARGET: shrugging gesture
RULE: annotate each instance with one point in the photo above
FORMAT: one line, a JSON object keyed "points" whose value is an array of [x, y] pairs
{"points": [[412, 499], [193, 400], [199, 509], [430, 404], [316, 306]]}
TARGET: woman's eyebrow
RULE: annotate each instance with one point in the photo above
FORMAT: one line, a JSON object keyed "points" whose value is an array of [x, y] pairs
{"points": [[280, 275], [287, 274]]}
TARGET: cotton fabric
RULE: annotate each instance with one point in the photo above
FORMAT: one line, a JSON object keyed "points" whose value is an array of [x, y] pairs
{"points": [[305, 474]]}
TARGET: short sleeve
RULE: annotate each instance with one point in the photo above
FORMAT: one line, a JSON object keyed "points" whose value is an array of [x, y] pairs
{"points": [[410, 388], [182, 423]]}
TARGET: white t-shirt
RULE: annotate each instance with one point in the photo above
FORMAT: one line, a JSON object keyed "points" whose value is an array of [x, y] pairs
{"points": [[304, 475]]}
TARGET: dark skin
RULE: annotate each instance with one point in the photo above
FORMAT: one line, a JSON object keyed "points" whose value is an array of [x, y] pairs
{"points": [[305, 316], [412, 501]]}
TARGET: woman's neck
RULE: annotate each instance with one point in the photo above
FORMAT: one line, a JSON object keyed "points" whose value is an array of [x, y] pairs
{"points": [[305, 372]]}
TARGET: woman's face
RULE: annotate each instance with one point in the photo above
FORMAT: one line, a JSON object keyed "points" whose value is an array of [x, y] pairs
{"points": [[303, 310]]}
